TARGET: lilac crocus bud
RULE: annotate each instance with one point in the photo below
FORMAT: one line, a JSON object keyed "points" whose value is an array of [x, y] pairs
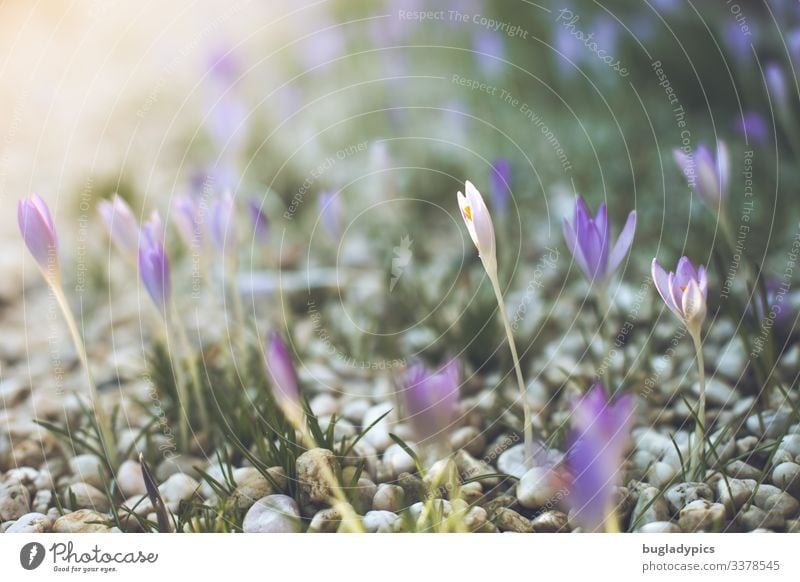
{"points": [[589, 240], [598, 440], [479, 224], [752, 127], [706, 176], [39, 234], [283, 376], [223, 224], [500, 184], [684, 292], [120, 224], [260, 222], [154, 264], [430, 399], [331, 213]]}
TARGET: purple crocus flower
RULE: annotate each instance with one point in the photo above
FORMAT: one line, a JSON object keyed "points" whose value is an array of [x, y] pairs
{"points": [[776, 84], [187, 214], [500, 184], [684, 292], [706, 175], [331, 213], [120, 224], [223, 224], [489, 50], [430, 399], [260, 223], [599, 438], [154, 264], [39, 234], [283, 376], [752, 127], [589, 241]]}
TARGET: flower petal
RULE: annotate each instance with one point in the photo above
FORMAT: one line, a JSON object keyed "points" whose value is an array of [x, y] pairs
{"points": [[623, 244]]}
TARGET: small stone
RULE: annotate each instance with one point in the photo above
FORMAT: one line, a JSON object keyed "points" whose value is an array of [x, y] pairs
{"points": [[83, 521], [652, 441], [510, 520], [660, 527], [787, 477], [324, 405], [500, 502], [414, 488], [273, 514], [511, 462], [536, 489], [398, 461], [251, 486], [326, 521], [130, 480], [86, 496], [661, 474], [378, 435], [468, 438], [754, 518], [701, 515], [781, 503], [680, 495], [650, 506], [179, 487], [717, 392], [734, 493], [775, 423], [14, 502], [791, 443], [185, 464], [741, 470], [388, 498], [746, 445], [472, 492], [380, 521], [41, 501], [315, 468], [550, 522], [471, 468], [475, 519], [88, 469], [31, 523], [354, 410]]}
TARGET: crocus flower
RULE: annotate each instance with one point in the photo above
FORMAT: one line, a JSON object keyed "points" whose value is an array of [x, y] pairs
{"points": [[120, 223], [778, 90], [589, 240], [489, 48], [187, 215], [598, 440], [430, 400], [684, 292], [39, 234], [500, 184], [283, 376], [753, 127], [223, 224], [331, 213], [260, 223], [154, 264], [707, 176], [479, 224]]}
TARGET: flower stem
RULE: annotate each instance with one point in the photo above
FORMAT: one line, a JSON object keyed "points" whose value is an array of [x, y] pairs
{"points": [[526, 407], [699, 436], [186, 348], [105, 432]]}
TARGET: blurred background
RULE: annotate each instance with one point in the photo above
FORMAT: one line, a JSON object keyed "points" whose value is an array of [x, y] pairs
{"points": [[354, 123]]}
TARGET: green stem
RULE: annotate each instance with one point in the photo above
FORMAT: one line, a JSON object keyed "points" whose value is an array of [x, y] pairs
{"points": [[186, 348], [699, 436], [105, 433], [526, 407]]}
